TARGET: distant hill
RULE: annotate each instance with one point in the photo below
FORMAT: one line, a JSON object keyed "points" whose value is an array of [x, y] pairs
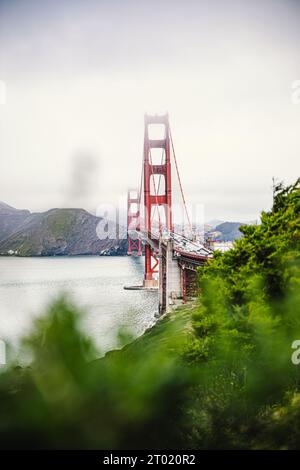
{"points": [[213, 223], [225, 231], [229, 231], [10, 219], [55, 232]]}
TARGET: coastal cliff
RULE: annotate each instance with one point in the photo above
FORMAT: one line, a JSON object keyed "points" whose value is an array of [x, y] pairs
{"points": [[55, 232]]}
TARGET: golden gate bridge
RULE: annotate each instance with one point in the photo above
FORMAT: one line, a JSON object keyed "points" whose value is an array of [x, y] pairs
{"points": [[171, 258]]}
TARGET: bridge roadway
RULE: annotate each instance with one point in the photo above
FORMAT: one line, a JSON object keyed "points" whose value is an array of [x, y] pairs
{"points": [[179, 259]]}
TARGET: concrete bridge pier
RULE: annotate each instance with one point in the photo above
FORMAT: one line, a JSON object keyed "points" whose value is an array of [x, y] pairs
{"points": [[169, 277]]}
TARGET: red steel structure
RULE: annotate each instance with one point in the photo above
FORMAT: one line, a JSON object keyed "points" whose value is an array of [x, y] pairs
{"points": [[133, 223], [153, 198]]}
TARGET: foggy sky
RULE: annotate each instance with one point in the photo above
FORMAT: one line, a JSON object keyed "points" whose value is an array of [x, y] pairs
{"points": [[80, 75]]}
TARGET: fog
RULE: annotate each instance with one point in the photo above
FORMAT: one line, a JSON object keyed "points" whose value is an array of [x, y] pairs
{"points": [[79, 76]]}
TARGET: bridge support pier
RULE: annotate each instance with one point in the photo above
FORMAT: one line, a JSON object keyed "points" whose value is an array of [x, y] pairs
{"points": [[169, 278], [150, 283]]}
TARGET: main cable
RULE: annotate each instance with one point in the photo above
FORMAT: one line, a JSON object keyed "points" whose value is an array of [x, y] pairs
{"points": [[180, 184]]}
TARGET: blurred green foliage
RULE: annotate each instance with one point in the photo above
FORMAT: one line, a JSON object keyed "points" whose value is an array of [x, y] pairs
{"points": [[246, 320], [217, 374], [129, 399]]}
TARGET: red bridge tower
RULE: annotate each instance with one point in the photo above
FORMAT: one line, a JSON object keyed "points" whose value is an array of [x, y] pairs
{"points": [[157, 191]]}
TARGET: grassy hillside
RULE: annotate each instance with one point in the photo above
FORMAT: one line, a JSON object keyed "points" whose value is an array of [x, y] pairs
{"points": [[10, 219]]}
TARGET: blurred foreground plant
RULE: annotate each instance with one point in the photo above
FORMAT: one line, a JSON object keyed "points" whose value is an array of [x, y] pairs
{"points": [[64, 400], [224, 380], [246, 320]]}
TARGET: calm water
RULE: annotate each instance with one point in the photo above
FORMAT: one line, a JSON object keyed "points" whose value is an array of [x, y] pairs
{"points": [[27, 285]]}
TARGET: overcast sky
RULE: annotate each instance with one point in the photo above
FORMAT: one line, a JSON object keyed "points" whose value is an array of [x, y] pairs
{"points": [[80, 75]]}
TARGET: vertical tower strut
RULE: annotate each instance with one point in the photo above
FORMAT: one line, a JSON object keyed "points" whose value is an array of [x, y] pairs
{"points": [[133, 223], [153, 199]]}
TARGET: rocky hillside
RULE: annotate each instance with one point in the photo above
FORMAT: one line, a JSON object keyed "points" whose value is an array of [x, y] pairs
{"points": [[224, 232], [10, 219], [229, 231], [55, 232]]}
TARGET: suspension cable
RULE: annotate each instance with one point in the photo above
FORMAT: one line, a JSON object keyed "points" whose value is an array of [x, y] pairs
{"points": [[140, 198], [180, 184]]}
